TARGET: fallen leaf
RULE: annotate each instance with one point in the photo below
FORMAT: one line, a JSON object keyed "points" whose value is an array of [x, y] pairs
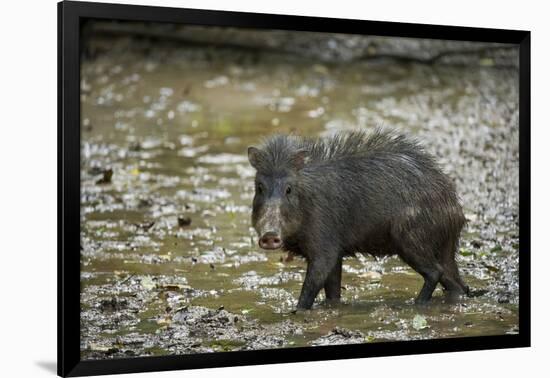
{"points": [[419, 322]]}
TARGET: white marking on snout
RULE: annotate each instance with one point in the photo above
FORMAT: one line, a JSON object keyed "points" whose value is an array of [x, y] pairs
{"points": [[270, 221]]}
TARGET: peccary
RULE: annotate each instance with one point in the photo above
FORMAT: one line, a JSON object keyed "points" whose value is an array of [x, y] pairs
{"points": [[379, 193]]}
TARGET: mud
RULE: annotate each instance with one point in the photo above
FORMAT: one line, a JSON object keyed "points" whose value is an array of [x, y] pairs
{"points": [[169, 262]]}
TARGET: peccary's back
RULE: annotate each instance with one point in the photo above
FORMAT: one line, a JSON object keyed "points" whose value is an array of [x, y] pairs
{"points": [[373, 181]]}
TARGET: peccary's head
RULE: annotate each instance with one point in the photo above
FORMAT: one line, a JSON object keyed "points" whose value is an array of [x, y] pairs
{"points": [[276, 211]]}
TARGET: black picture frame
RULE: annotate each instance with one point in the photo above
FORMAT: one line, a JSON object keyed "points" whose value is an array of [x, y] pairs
{"points": [[71, 14]]}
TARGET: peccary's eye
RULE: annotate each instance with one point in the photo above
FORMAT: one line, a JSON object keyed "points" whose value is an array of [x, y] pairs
{"points": [[288, 190], [260, 188]]}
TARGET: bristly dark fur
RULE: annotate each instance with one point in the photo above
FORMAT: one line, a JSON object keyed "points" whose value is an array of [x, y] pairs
{"points": [[279, 149], [379, 193]]}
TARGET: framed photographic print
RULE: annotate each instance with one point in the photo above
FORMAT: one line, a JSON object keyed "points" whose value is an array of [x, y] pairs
{"points": [[239, 188]]}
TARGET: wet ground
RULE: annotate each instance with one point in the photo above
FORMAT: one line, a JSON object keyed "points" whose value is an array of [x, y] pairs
{"points": [[169, 262]]}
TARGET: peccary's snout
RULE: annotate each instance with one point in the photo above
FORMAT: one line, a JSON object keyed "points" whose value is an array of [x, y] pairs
{"points": [[268, 224], [270, 240]]}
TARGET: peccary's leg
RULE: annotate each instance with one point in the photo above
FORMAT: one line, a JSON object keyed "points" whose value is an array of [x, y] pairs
{"points": [[318, 270], [453, 284], [431, 277], [333, 284], [450, 279], [414, 248], [426, 265], [428, 268]]}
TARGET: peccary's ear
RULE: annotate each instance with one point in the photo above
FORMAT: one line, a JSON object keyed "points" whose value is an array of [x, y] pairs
{"points": [[300, 159], [254, 156]]}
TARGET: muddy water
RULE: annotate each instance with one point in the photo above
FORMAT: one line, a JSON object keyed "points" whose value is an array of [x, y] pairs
{"points": [[169, 262]]}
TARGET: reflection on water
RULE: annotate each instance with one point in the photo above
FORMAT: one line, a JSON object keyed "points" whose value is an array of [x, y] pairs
{"points": [[169, 262]]}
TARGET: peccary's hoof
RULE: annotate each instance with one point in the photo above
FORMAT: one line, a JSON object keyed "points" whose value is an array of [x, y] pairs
{"points": [[332, 302], [454, 296], [422, 301], [300, 311]]}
